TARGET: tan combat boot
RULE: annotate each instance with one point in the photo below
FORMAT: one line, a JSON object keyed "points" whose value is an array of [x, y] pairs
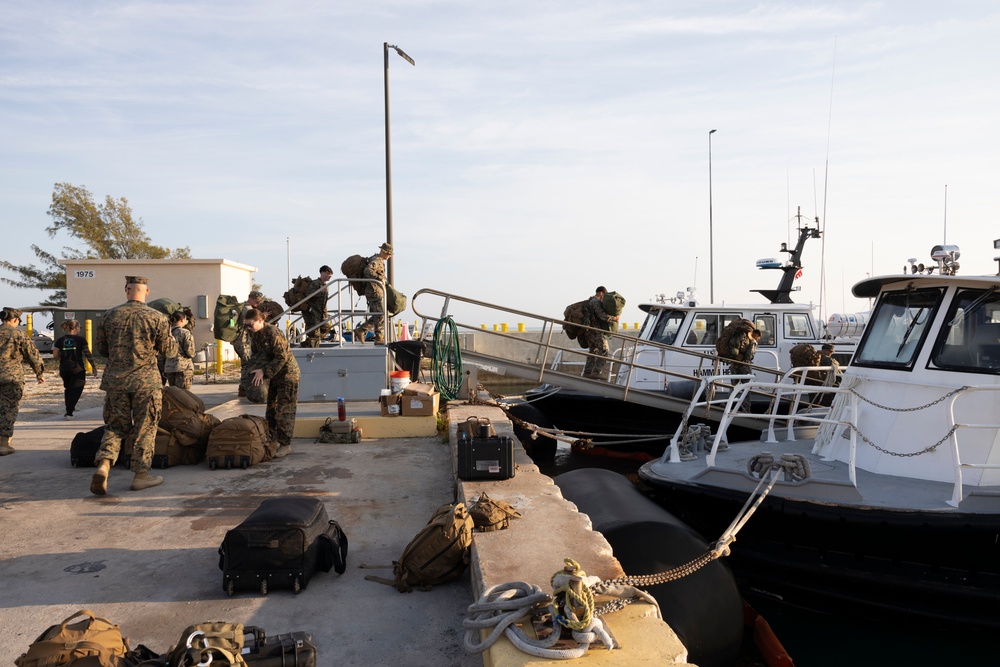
{"points": [[143, 480], [5, 447], [99, 482]]}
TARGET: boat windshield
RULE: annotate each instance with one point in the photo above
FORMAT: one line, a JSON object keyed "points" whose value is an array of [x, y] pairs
{"points": [[664, 329], [898, 327], [970, 339]]}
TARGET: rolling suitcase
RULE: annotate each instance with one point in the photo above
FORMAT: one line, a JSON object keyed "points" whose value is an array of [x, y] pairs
{"points": [[281, 545]]}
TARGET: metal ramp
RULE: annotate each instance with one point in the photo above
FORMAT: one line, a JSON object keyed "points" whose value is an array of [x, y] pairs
{"points": [[542, 353]]}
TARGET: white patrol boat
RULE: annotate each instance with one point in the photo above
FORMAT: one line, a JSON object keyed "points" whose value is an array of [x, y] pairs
{"points": [[888, 501], [675, 355]]}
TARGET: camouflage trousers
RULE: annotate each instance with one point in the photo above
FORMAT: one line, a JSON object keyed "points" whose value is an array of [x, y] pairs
{"points": [[597, 362], [311, 318], [282, 402], [376, 322], [10, 404], [127, 411], [184, 379]]}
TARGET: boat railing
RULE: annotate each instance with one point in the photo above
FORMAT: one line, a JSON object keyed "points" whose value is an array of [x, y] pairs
{"points": [[955, 427]]}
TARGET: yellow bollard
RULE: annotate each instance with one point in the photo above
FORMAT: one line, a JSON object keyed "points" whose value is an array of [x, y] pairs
{"points": [[88, 333], [520, 327], [635, 325], [218, 357], [624, 325], [503, 327], [496, 327], [483, 326]]}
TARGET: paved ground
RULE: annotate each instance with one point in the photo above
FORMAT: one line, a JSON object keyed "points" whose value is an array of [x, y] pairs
{"points": [[148, 560]]}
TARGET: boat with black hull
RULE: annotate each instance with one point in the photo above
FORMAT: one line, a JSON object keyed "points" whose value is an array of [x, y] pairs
{"points": [[888, 501], [674, 354]]}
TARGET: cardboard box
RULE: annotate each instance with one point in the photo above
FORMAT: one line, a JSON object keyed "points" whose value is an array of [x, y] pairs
{"points": [[390, 405], [418, 389], [420, 405]]}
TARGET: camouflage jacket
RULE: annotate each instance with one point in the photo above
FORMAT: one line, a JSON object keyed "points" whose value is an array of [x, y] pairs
{"points": [[185, 352], [15, 348], [375, 268], [272, 354], [317, 303], [598, 316], [130, 337]]}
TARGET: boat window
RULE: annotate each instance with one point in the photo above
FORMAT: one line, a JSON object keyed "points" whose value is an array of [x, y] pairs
{"points": [[897, 329], [706, 327], [798, 325], [970, 338], [766, 326], [667, 325]]}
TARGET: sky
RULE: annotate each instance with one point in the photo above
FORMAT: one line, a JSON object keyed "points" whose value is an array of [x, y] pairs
{"points": [[538, 148]]}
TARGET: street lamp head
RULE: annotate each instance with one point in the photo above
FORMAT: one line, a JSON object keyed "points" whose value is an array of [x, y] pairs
{"points": [[711, 132], [401, 53]]}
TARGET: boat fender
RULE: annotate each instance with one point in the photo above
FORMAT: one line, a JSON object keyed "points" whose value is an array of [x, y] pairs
{"points": [[704, 609]]}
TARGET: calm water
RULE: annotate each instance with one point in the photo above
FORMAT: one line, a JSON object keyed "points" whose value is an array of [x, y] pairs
{"points": [[819, 640]]}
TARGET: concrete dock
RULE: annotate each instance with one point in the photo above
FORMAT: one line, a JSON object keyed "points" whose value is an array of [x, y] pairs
{"points": [[149, 560]]}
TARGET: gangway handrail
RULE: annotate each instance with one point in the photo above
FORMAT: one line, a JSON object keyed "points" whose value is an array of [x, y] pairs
{"points": [[544, 348], [338, 315]]}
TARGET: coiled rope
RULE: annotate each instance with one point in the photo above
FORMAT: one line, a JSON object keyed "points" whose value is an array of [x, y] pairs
{"points": [[446, 362]]}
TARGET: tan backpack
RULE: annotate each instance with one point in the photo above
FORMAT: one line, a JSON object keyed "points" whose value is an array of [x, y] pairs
{"points": [[183, 414], [353, 268], [576, 313], [204, 643], [96, 639]]}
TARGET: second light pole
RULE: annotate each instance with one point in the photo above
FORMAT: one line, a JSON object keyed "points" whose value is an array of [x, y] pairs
{"points": [[388, 161], [711, 254]]}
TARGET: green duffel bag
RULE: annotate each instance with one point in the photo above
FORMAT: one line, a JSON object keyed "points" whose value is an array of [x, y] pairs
{"points": [[395, 301], [614, 304], [226, 319]]}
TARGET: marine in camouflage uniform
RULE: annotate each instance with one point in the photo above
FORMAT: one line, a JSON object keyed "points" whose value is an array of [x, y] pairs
{"points": [[597, 362], [743, 347], [241, 344], [180, 369], [15, 347], [314, 313], [273, 363], [374, 295], [130, 337]]}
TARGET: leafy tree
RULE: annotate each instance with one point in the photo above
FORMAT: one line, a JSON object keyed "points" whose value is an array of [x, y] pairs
{"points": [[107, 231]]}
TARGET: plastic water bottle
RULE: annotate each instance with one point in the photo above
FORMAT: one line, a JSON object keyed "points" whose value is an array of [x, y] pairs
{"points": [[341, 409]]}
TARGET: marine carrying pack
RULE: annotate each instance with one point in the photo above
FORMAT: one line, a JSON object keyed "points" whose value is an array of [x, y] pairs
{"points": [[731, 333], [97, 640], [298, 292]]}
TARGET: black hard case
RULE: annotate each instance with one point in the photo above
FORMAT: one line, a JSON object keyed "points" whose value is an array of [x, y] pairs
{"points": [[486, 458], [281, 545]]}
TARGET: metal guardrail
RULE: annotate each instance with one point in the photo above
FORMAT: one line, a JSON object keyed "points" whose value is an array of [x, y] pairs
{"points": [[336, 317]]}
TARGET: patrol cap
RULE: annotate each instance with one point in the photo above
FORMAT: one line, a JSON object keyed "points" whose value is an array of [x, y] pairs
{"points": [[385, 247], [255, 294], [828, 346], [10, 313], [136, 280]]}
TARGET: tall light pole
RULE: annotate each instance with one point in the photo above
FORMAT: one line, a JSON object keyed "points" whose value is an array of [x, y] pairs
{"points": [[711, 254], [388, 161]]}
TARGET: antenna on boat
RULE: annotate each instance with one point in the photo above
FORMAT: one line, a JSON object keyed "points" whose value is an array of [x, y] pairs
{"points": [[826, 181], [945, 239]]}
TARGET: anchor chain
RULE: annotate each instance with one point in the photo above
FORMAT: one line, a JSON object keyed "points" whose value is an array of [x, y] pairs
{"points": [[925, 450]]}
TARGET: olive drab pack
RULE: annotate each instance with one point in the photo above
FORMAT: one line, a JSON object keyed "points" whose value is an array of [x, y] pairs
{"points": [[353, 269], [613, 304], [437, 554], [97, 640], [164, 305], [576, 313], [204, 643], [298, 292], [736, 336], [395, 301], [489, 514], [226, 318]]}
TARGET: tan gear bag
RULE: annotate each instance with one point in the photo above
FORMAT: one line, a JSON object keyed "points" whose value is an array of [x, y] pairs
{"points": [[202, 643], [489, 514], [96, 639]]}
